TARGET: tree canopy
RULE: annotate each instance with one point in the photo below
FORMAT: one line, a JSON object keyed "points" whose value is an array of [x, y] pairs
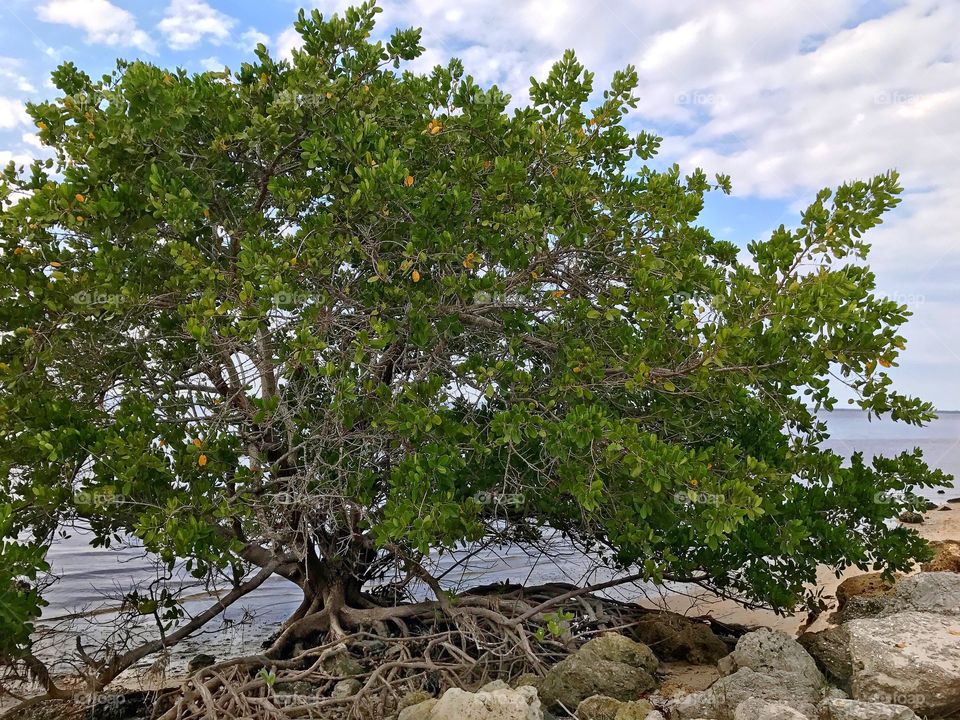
{"points": [[327, 316]]}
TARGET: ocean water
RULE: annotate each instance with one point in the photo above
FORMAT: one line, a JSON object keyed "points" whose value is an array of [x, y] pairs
{"points": [[95, 578]]}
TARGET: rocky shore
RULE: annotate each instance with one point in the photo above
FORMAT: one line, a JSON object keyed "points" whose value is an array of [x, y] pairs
{"points": [[889, 650]]}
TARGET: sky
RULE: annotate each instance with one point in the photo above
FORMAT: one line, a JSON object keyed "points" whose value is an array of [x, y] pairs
{"points": [[786, 96]]}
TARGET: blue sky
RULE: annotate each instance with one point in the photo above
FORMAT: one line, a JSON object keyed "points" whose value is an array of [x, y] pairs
{"points": [[787, 96]]}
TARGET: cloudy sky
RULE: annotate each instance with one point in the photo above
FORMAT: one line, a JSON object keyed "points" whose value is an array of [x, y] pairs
{"points": [[787, 96]]}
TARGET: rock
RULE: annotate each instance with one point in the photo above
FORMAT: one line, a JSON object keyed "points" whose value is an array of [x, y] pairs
{"points": [[419, 711], [944, 508], [655, 715], [929, 505], [773, 653], [299, 688], [527, 679], [869, 585], [200, 661], [342, 664], [498, 704], [414, 697], [760, 710], [601, 707], [495, 685], [835, 709], [946, 557], [722, 698], [830, 648], [675, 637], [912, 517], [346, 688], [598, 707], [908, 658], [617, 648], [580, 676], [934, 592]]}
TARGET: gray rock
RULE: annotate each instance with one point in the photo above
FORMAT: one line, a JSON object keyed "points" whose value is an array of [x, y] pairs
{"points": [[346, 688], [418, 711], [579, 676], [498, 704], [199, 661], [909, 658], [836, 709], [722, 698], [601, 707], [911, 517], [655, 715], [617, 648], [760, 710], [771, 652], [831, 649], [932, 592]]}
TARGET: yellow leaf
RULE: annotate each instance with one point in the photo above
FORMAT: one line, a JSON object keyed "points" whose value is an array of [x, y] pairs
{"points": [[80, 218], [196, 442], [202, 460], [80, 197], [886, 363], [206, 212], [435, 129], [42, 125], [557, 293], [54, 263], [18, 251], [408, 181], [577, 369], [415, 276]]}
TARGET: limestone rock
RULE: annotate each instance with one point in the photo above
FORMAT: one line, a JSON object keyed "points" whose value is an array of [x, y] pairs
{"points": [[675, 637], [946, 559], [498, 704], [908, 658], [835, 709], [831, 649], [602, 707], [760, 710], [418, 711], [771, 652], [346, 688], [869, 585], [580, 676], [722, 698], [617, 648]]}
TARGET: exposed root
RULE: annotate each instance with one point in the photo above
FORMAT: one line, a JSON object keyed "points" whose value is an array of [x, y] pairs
{"points": [[463, 641]]}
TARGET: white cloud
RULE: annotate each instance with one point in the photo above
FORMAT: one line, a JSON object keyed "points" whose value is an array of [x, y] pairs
{"points": [[251, 38], [102, 22], [10, 73], [188, 22], [12, 113], [288, 41]]}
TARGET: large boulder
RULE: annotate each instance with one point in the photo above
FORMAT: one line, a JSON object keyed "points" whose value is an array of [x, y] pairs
{"points": [[932, 592], [499, 703], [617, 648], [580, 676], [771, 652], [946, 557], [675, 637], [868, 585], [906, 658], [837, 709], [722, 699], [766, 668]]}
